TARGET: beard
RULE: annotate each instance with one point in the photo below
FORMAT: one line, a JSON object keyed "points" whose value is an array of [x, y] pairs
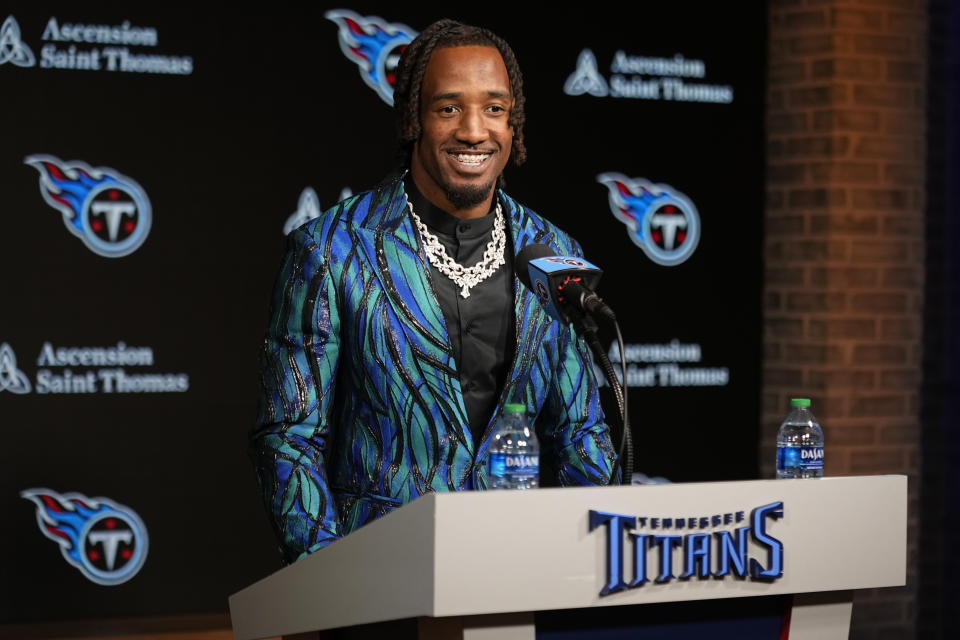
{"points": [[466, 196]]}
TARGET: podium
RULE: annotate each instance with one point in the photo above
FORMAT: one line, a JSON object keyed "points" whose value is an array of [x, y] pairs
{"points": [[480, 564]]}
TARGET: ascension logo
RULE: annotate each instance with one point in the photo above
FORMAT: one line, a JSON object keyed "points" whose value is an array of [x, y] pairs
{"points": [[108, 211], [374, 45], [646, 78], [308, 208], [12, 48], [89, 370], [66, 46], [660, 220], [586, 78], [11, 378], [665, 364], [107, 542]]}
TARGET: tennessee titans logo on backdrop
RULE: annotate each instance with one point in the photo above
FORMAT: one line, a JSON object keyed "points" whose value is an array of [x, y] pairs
{"points": [[105, 541], [374, 45], [660, 220], [108, 211]]}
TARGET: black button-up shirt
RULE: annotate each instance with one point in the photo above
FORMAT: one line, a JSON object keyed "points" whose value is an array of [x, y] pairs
{"points": [[480, 327]]}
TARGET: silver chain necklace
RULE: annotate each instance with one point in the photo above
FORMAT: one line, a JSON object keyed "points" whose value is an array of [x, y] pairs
{"points": [[464, 277]]}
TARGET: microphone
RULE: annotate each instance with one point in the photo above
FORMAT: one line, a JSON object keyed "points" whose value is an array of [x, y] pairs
{"points": [[563, 285]]}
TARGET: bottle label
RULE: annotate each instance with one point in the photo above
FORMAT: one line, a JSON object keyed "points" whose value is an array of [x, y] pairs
{"points": [[514, 465], [806, 458]]}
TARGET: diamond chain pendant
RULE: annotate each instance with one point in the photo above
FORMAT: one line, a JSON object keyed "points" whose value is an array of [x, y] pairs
{"points": [[466, 277]]}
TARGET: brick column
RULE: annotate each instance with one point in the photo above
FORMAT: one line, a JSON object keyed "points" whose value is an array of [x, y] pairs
{"points": [[844, 251]]}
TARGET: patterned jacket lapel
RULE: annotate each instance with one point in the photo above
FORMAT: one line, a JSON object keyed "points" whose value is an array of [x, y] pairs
{"points": [[393, 253]]}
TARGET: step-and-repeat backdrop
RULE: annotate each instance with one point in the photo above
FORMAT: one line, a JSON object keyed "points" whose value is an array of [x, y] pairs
{"points": [[152, 160]]}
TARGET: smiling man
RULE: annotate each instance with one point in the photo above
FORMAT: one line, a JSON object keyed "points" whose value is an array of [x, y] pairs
{"points": [[398, 331]]}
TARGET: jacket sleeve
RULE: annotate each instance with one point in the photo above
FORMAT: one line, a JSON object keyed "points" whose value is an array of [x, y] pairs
{"points": [[582, 447], [290, 442]]}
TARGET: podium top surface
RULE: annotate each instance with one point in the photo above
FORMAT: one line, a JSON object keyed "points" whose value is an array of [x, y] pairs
{"points": [[470, 553]]}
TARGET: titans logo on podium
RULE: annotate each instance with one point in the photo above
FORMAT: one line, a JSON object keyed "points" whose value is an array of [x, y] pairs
{"points": [[705, 554], [107, 542], [108, 211]]}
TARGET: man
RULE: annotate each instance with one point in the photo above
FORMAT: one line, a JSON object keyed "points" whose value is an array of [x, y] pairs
{"points": [[398, 332]]}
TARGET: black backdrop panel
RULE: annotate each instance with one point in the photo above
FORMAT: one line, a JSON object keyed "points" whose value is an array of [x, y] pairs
{"points": [[132, 379]]}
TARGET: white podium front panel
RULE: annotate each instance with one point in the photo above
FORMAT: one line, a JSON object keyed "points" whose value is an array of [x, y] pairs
{"points": [[837, 534], [477, 553]]}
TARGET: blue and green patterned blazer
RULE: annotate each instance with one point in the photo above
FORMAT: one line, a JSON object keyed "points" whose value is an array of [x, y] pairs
{"points": [[361, 409]]}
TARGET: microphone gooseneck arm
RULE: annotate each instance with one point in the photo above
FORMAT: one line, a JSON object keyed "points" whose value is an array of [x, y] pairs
{"points": [[586, 299], [586, 327]]}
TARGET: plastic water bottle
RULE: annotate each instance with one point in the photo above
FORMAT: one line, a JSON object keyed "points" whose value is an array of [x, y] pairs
{"points": [[513, 461], [800, 443]]}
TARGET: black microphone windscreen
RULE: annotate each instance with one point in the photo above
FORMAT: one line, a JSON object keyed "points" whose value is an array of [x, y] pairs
{"points": [[528, 253]]}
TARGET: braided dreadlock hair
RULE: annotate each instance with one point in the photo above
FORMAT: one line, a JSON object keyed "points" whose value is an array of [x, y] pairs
{"points": [[413, 64]]}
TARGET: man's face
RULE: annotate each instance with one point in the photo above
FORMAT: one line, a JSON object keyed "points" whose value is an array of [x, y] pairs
{"points": [[465, 104]]}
